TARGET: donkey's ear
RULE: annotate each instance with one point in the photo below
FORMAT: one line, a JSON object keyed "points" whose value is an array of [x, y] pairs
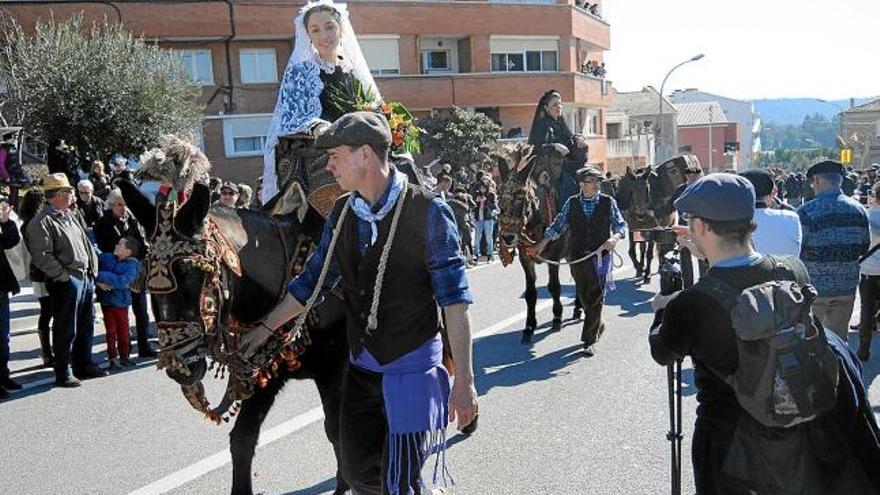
{"points": [[139, 204], [191, 215]]}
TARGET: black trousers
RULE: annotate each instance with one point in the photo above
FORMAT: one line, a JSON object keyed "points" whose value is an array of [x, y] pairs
{"points": [[590, 294], [141, 319], [363, 436], [709, 448], [869, 292]]}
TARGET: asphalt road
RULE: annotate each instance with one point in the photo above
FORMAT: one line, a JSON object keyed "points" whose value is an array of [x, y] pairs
{"points": [[552, 421]]}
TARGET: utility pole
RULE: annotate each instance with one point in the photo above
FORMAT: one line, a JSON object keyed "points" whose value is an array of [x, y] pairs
{"points": [[711, 151]]}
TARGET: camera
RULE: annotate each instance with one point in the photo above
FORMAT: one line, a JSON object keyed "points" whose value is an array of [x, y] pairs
{"points": [[671, 279]]}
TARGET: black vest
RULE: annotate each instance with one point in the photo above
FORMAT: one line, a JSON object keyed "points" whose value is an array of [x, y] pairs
{"points": [[588, 234], [408, 313]]}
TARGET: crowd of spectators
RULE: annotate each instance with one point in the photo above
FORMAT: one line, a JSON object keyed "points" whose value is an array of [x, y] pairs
{"points": [[592, 8], [593, 68], [81, 245]]}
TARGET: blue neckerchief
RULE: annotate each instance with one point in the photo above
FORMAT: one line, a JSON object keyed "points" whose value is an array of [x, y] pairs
{"points": [[750, 259], [364, 210]]}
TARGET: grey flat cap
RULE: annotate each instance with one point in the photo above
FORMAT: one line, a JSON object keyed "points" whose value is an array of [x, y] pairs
{"points": [[722, 197], [589, 171], [356, 129]]}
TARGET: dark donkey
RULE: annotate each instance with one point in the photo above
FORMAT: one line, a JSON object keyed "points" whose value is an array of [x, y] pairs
{"points": [[527, 200], [645, 200], [212, 273]]}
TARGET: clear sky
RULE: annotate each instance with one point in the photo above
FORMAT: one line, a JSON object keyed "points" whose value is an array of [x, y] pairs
{"points": [[754, 48]]}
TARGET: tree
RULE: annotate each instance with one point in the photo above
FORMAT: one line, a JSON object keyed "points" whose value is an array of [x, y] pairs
{"points": [[99, 88], [464, 139]]}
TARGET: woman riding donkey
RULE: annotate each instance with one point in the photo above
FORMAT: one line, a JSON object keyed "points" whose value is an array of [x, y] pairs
{"points": [[326, 77]]}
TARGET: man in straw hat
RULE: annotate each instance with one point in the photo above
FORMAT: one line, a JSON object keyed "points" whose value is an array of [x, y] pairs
{"points": [[394, 250], [61, 249]]}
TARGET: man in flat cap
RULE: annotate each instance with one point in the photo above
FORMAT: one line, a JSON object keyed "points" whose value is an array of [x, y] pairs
{"points": [[835, 236], [720, 209], [394, 250], [778, 231], [596, 226], [61, 249]]}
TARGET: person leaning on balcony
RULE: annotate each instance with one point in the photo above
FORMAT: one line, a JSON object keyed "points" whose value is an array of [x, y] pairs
{"points": [[549, 129]]}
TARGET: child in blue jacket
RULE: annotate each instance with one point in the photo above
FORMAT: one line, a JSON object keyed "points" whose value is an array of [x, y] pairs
{"points": [[116, 273]]}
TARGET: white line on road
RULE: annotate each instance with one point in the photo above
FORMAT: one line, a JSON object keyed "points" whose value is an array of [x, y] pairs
{"points": [[220, 459]]}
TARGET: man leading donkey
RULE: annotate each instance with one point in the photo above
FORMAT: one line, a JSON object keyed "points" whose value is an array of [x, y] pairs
{"points": [[394, 249]]}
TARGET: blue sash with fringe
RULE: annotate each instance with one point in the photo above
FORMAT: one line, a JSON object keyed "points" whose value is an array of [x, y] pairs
{"points": [[416, 392]]}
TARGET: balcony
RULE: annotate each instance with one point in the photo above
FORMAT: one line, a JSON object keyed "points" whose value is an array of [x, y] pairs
{"points": [[481, 89]]}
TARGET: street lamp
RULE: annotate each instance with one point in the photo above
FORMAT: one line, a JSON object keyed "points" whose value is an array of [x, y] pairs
{"points": [[842, 120], [660, 118]]}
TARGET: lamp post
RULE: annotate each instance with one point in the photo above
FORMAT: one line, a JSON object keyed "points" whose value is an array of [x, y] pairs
{"points": [[663, 85], [842, 120]]}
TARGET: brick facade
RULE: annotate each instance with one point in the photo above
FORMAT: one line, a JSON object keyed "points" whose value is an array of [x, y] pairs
{"points": [[263, 24]]}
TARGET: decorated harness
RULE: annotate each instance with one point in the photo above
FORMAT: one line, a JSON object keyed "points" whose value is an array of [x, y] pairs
{"points": [[217, 333]]}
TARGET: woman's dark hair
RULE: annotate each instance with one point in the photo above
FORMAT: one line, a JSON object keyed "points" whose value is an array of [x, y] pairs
{"points": [[535, 134], [31, 204], [732, 231], [322, 8]]}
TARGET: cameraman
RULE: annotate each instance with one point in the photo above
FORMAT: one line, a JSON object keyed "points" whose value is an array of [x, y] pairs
{"points": [[836, 449], [720, 210]]}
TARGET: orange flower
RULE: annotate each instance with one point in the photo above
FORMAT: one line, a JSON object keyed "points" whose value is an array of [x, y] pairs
{"points": [[397, 138], [386, 109]]}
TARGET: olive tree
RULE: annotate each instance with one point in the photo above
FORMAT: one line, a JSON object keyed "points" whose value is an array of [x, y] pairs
{"points": [[97, 87]]}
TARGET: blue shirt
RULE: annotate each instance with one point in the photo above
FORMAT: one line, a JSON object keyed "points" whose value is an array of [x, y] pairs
{"points": [[750, 259], [443, 258], [835, 235], [588, 205]]}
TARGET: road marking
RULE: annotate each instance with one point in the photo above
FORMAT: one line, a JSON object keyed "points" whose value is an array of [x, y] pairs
{"points": [[220, 459]]}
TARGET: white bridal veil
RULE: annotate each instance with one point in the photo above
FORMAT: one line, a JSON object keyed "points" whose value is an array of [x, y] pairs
{"points": [[299, 104]]}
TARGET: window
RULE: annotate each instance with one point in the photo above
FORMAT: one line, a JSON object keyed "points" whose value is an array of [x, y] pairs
{"points": [[382, 54], [507, 62], [540, 61], [524, 54], [437, 60], [258, 66], [613, 130], [198, 65], [593, 120], [245, 136]]}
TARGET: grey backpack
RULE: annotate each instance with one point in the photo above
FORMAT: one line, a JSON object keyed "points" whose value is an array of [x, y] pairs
{"points": [[787, 373]]}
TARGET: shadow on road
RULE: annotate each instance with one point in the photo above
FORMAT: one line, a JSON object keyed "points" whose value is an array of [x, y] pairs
{"points": [[326, 486], [516, 362], [632, 299]]}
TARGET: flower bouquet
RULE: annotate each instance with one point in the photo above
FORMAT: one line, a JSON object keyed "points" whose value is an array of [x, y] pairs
{"points": [[354, 97]]}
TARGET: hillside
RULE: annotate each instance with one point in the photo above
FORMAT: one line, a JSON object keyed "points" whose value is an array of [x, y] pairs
{"points": [[793, 110]]}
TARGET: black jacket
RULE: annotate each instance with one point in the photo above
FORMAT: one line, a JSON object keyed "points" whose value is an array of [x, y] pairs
{"points": [[9, 238], [109, 229]]}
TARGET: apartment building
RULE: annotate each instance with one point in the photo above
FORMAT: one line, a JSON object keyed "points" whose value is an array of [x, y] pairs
{"points": [[492, 57]]}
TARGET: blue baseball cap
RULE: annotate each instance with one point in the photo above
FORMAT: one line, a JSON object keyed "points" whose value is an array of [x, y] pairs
{"points": [[722, 197]]}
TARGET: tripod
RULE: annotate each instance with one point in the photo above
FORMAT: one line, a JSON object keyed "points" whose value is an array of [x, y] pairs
{"points": [[673, 376]]}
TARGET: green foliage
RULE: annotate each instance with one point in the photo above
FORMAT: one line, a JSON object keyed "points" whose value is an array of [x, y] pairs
{"points": [[463, 140], [98, 87], [350, 97], [816, 131], [794, 159]]}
